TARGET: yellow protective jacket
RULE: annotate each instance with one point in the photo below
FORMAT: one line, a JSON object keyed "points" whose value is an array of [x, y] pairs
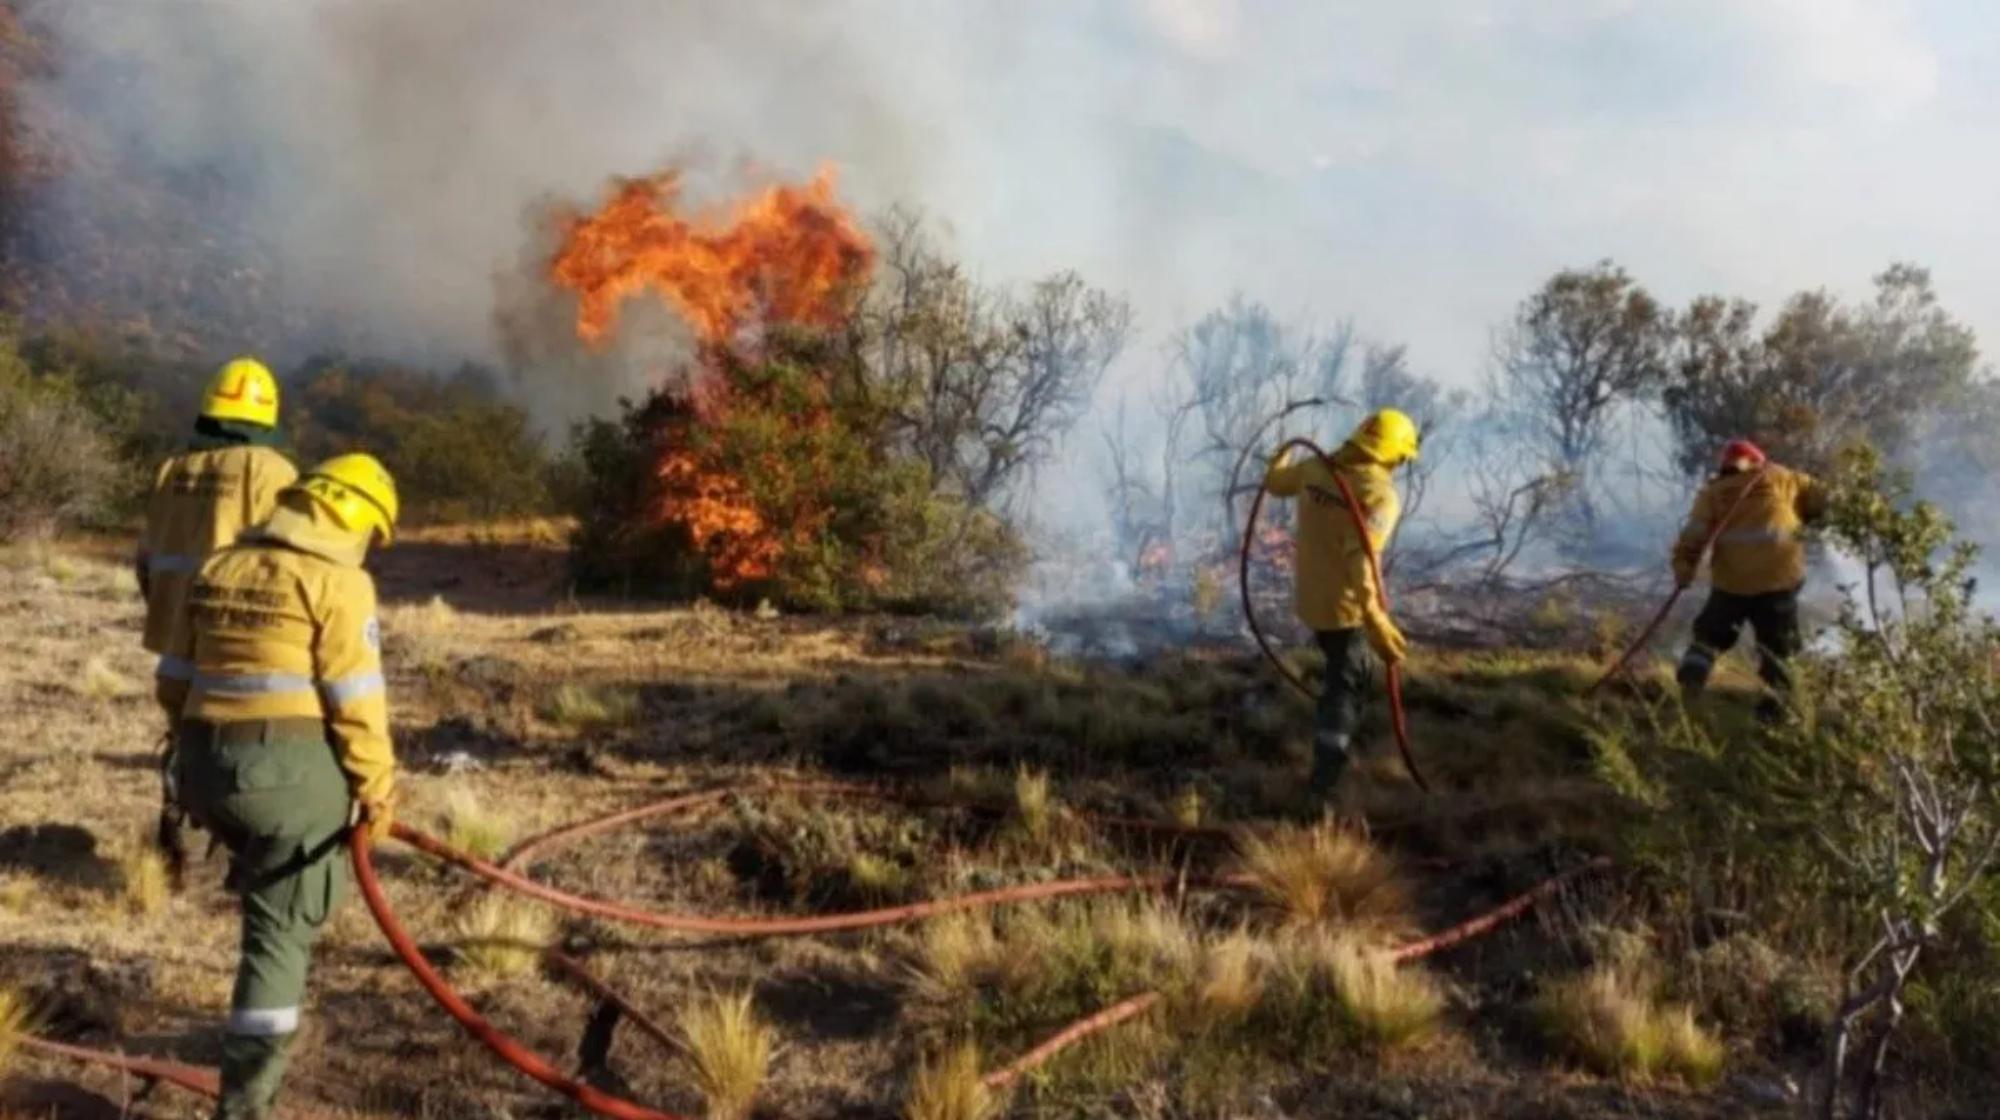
{"points": [[283, 625], [201, 500], [1335, 588], [1759, 549]]}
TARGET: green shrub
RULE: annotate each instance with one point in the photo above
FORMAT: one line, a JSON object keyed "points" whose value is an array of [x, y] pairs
{"points": [[792, 491], [57, 468], [458, 448]]}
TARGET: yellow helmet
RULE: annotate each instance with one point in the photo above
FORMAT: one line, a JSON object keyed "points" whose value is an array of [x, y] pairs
{"points": [[242, 390], [1389, 437], [358, 491]]}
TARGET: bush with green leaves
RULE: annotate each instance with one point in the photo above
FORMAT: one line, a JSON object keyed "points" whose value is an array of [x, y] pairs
{"points": [[818, 507], [1864, 829], [458, 448], [57, 468]]}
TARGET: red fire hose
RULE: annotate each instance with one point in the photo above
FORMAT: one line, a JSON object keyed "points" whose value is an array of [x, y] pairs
{"points": [[503, 1045], [1666, 608], [790, 927], [1422, 947], [514, 1053], [1397, 719]]}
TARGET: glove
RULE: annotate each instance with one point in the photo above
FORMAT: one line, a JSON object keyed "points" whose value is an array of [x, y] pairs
{"points": [[1683, 574], [1389, 643], [377, 816]]}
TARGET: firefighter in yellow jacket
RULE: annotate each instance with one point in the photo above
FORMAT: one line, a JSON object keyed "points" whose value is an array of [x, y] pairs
{"points": [[227, 480], [1757, 566], [1336, 592], [284, 741]]}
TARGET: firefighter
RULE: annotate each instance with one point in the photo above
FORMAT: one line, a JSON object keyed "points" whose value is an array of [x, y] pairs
{"points": [[284, 741], [226, 480], [1756, 569], [1336, 594]]}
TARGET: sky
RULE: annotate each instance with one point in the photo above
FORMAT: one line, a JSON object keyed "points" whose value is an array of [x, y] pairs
{"points": [[1414, 167]]}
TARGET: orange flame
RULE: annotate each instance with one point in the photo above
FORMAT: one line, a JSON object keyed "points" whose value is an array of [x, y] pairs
{"points": [[788, 254]]}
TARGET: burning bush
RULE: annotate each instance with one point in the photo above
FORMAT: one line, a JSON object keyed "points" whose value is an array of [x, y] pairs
{"points": [[792, 493], [837, 441]]}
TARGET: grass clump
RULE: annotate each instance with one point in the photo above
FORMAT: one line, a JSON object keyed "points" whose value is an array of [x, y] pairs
{"points": [[591, 708], [143, 880], [1325, 874], [954, 956], [471, 827], [500, 937], [1385, 1007], [728, 1050], [950, 1087], [878, 879], [16, 1020], [1232, 977], [1608, 1019], [1034, 804], [99, 681]]}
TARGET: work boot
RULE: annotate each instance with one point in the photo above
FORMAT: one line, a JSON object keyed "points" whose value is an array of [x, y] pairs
{"points": [[1330, 758], [253, 1067]]}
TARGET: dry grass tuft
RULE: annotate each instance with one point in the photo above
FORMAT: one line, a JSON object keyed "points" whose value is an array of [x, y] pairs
{"points": [[728, 1049], [99, 681], [142, 873], [1034, 803], [1608, 1020], [64, 570], [950, 1088], [955, 954], [1189, 808], [1232, 977], [500, 937], [16, 1019], [471, 827], [879, 879], [18, 893], [1327, 874], [591, 708], [1385, 1007]]}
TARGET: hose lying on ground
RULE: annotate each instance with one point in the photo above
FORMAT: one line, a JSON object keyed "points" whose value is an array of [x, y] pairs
{"points": [[507, 1048], [1666, 608], [1397, 718], [1436, 943], [513, 1052]]}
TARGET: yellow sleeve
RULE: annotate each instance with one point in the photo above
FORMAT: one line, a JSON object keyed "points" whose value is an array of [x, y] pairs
{"points": [[269, 473], [1284, 478], [347, 659], [1694, 535], [1811, 497], [1382, 520]]}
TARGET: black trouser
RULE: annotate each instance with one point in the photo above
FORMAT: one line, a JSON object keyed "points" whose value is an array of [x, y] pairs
{"points": [[1773, 618], [1348, 667]]}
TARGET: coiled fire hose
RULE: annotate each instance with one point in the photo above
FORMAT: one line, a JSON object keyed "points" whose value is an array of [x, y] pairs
{"points": [[1646, 635], [1397, 719]]}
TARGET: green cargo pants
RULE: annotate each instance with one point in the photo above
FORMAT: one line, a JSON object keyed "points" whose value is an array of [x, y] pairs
{"points": [[273, 793]]}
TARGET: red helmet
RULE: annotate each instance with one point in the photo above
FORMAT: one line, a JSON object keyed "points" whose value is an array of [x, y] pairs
{"points": [[1739, 450]]}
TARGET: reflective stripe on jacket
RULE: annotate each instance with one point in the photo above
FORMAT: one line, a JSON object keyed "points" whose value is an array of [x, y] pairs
{"points": [[1335, 589], [1759, 550], [200, 501], [283, 626]]}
